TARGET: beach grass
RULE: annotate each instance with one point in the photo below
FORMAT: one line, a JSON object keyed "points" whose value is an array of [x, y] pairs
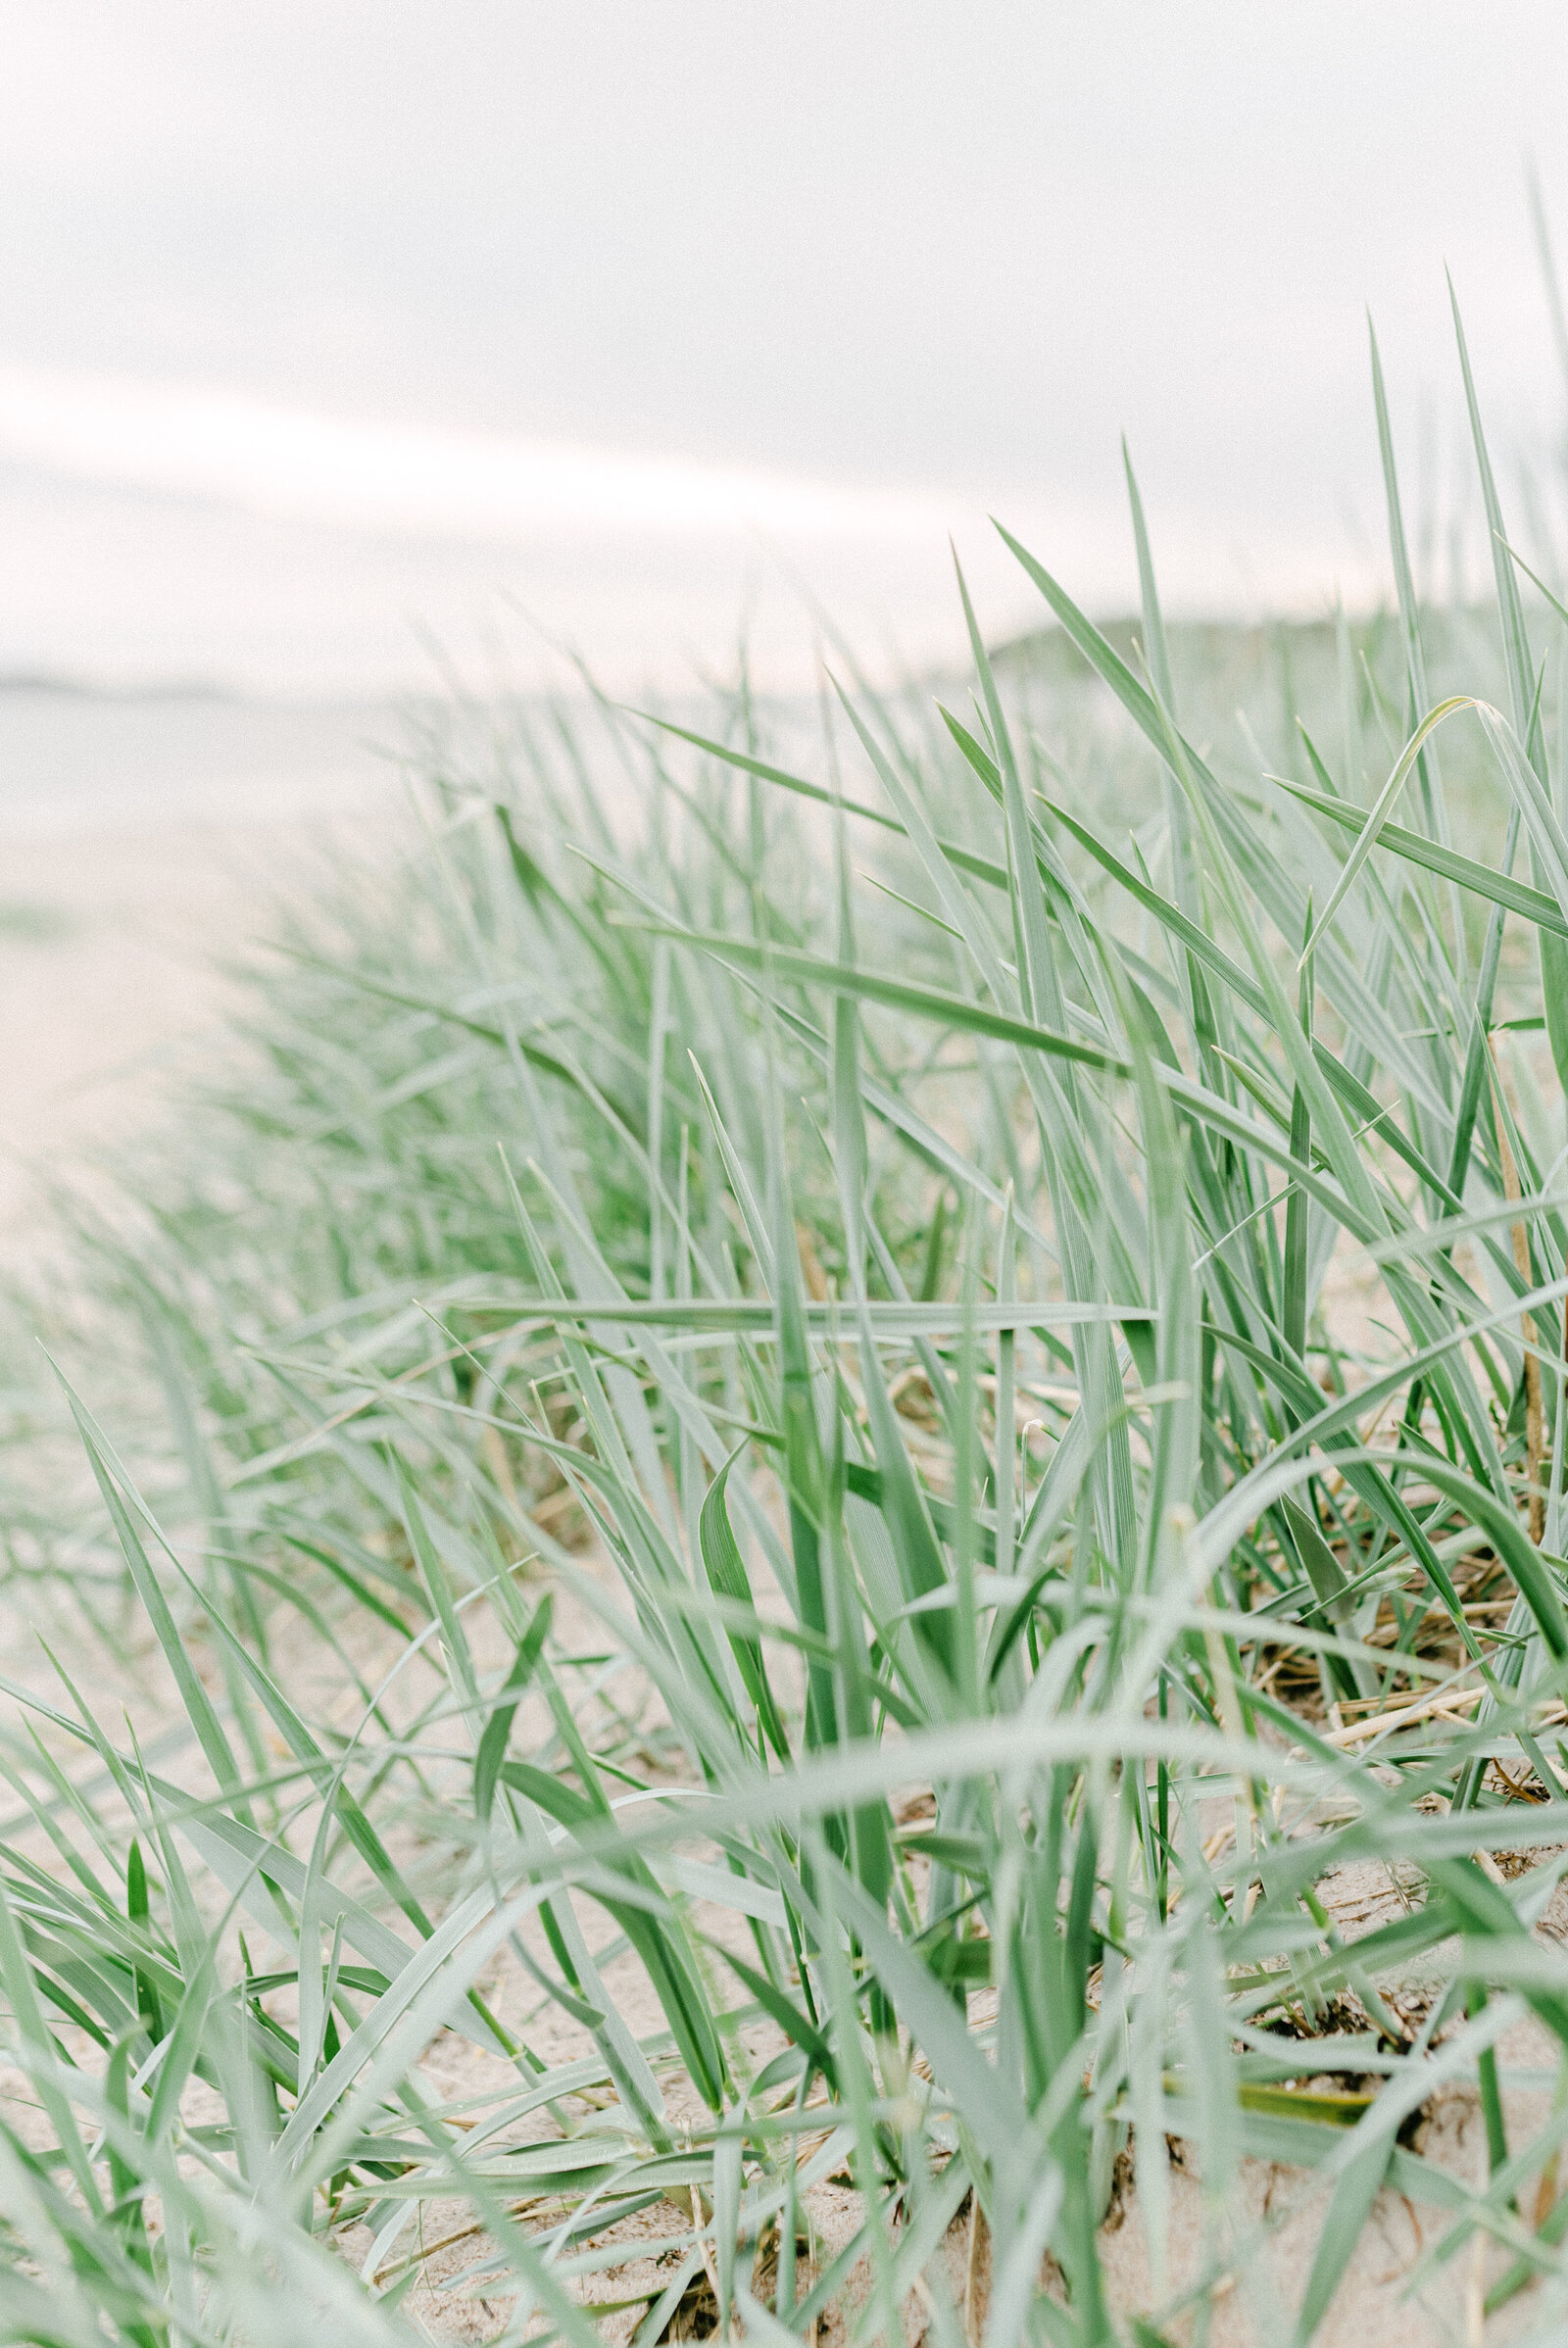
{"points": [[831, 1427]]}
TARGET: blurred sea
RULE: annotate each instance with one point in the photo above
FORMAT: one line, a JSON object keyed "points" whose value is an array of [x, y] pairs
{"points": [[81, 762]]}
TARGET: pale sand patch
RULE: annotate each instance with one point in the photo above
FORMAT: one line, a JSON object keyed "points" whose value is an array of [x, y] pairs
{"points": [[107, 964], [111, 952]]}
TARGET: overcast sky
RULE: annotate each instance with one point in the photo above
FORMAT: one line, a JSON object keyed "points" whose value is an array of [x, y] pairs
{"points": [[319, 317]]}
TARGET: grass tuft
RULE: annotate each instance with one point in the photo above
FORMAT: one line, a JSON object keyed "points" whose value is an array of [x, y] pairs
{"points": [[853, 1538]]}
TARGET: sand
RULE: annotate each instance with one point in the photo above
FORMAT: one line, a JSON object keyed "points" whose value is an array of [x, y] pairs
{"points": [[111, 990], [140, 836]]}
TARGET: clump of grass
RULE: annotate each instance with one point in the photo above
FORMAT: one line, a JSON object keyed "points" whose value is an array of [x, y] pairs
{"points": [[814, 1525]]}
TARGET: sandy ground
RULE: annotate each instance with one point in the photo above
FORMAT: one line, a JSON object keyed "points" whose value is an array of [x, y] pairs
{"points": [[136, 836], [110, 950]]}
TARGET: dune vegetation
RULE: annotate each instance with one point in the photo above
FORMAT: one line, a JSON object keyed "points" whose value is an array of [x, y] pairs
{"points": [[840, 1472]]}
